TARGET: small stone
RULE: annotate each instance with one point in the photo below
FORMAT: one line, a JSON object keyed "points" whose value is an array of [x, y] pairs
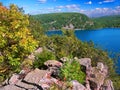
{"points": [[39, 50], [64, 59], [53, 63]]}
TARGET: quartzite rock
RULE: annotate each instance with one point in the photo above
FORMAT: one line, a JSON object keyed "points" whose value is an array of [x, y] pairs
{"points": [[35, 76], [32, 55], [96, 76], [53, 66], [77, 86], [108, 85], [53, 63], [85, 62]]}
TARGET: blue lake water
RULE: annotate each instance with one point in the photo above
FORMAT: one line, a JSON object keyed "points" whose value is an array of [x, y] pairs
{"points": [[107, 38]]}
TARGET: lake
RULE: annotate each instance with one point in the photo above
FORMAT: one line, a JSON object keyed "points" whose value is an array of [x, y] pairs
{"points": [[107, 39]]}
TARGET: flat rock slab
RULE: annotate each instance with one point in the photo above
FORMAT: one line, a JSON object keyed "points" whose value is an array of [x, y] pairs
{"points": [[35, 76], [11, 87]]}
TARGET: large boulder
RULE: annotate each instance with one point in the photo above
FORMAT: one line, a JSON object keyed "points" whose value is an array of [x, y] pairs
{"points": [[85, 62], [96, 76], [96, 79], [102, 68], [30, 82], [36, 75], [53, 66]]}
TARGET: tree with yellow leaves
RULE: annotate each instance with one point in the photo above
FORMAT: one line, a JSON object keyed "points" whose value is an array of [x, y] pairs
{"points": [[16, 41]]}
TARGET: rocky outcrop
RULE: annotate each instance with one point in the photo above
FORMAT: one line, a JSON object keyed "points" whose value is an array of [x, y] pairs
{"points": [[35, 76], [53, 66], [77, 85], [108, 85], [85, 62], [96, 78], [34, 80]]}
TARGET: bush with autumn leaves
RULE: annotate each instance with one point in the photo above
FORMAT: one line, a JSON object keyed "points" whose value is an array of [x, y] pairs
{"points": [[16, 41]]}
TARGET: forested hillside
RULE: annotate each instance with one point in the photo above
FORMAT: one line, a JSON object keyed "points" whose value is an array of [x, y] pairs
{"points": [[108, 21], [66, 20], [75, 21]]}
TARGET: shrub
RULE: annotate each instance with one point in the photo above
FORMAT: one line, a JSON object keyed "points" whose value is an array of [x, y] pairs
{"points": [[16, 41], [71, 70], [42, 57], [27, 63]]}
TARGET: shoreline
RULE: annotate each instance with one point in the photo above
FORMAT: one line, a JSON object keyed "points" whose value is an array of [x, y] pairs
{"points": [[85, 29]]}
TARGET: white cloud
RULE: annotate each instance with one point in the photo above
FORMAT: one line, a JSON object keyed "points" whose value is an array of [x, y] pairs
{"points": [[42, 1], [58, 10], [96, 12], [73, 6], [107, 1], [90, 2], [70, 7], [100, 2], [118, 7], [102, 12], [60, 7]]}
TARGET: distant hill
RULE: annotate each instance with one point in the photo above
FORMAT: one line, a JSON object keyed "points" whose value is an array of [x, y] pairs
{"points": [[108, 21], [64, 20], [55, 21]]}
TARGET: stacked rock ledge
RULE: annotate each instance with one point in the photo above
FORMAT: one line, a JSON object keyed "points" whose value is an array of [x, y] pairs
{"points": [[96, 77]]}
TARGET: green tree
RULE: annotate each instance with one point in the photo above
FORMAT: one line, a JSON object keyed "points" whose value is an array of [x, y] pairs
{"points": [[37, 31], [71, 70], [16, 41]]}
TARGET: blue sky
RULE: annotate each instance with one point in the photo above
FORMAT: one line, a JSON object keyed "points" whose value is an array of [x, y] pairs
{"points": [[92, 8]]}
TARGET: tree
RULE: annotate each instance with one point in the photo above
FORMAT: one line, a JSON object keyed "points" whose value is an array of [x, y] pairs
{"points": [[37, 31], [16, 41]]}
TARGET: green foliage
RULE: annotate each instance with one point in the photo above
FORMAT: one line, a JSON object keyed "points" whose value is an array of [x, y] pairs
{"points": [[55, 87], [59, 20], [37, 31], [108, 21], [27, 63], [64, 45], [71, 70], [116, 81], [67, 44], [56, 21], [65, 86], [42, 57], [16, 41]]}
